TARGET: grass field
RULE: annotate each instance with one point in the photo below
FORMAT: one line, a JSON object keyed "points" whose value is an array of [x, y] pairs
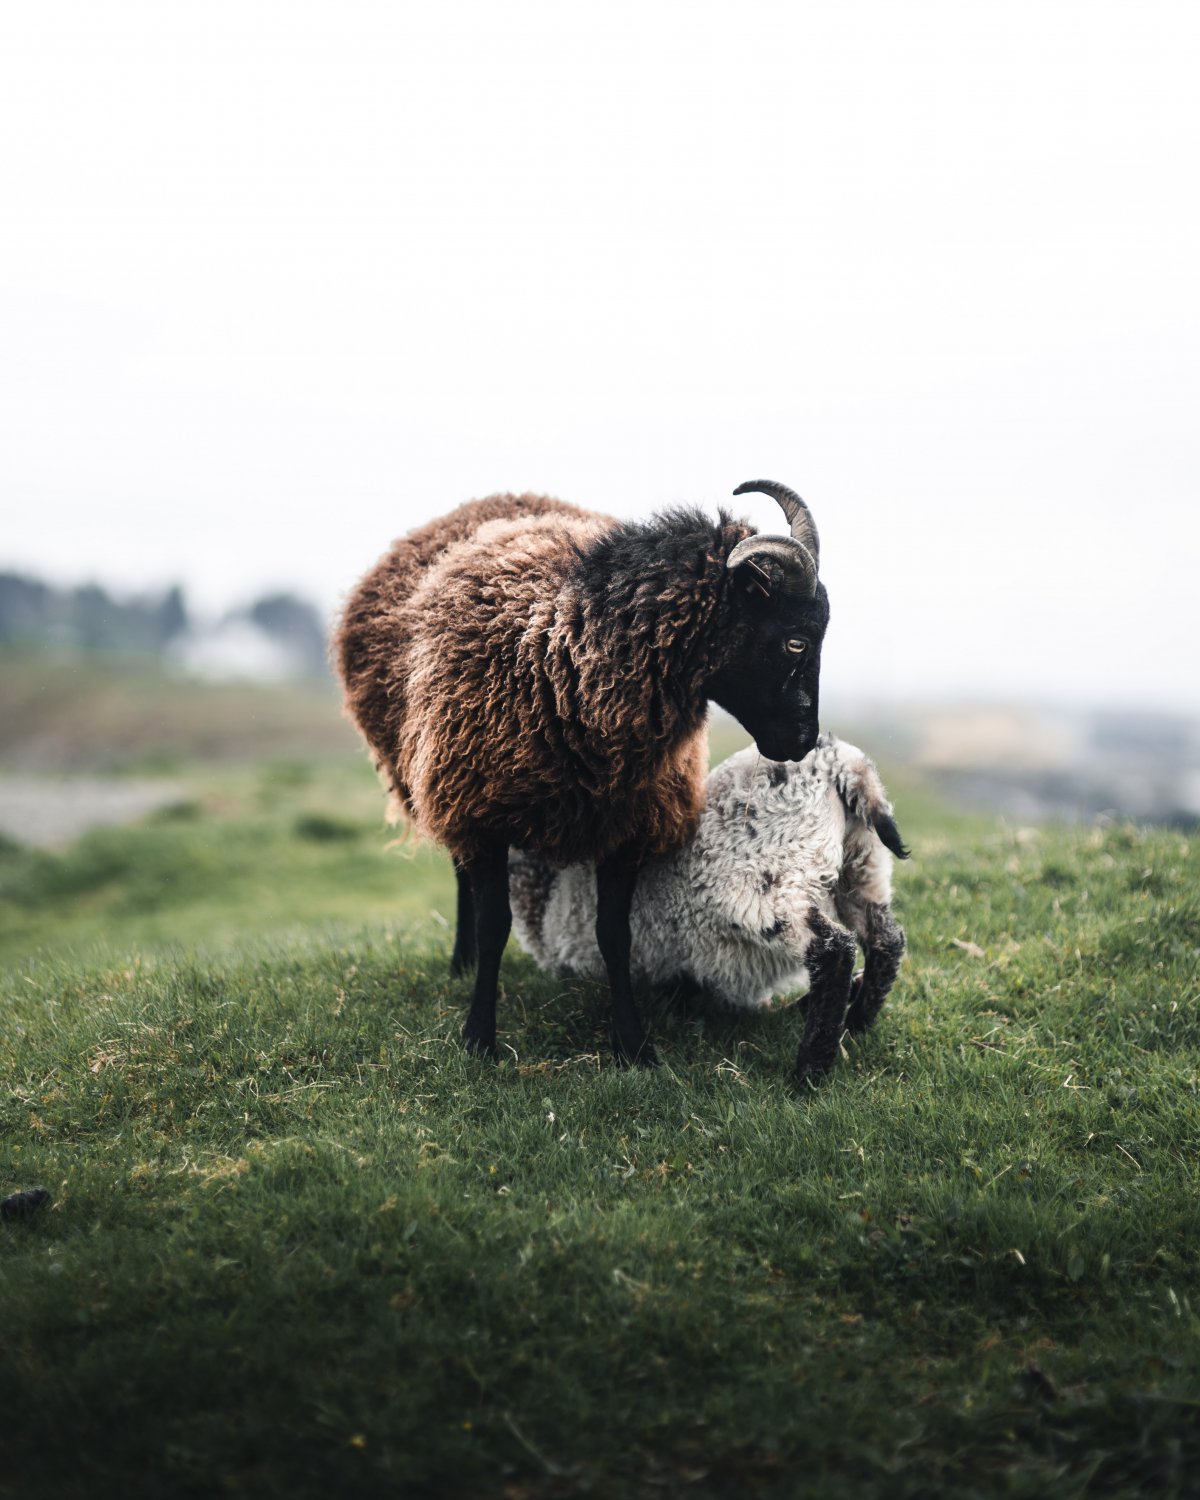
{"points": [[298, 1240]]}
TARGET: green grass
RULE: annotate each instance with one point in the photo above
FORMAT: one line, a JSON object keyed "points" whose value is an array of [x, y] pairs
{"points": [[278, 848], [298, 1240]]}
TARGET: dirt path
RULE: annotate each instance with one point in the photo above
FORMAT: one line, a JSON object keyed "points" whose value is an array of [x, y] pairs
{"points": [[50, 811]]}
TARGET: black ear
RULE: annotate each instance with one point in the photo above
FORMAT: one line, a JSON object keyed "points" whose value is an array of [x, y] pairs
{"points": [[754, 579]]}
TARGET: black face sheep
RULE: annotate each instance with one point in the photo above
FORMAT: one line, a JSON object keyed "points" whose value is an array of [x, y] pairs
{"points": [[532, 676], [789, 864]]}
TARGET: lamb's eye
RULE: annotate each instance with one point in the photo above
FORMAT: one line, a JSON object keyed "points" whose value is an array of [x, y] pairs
{"points": [[795, 646]]}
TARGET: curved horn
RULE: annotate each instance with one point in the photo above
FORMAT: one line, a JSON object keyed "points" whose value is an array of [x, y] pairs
{"points": [[794, 556], [800, 520]]}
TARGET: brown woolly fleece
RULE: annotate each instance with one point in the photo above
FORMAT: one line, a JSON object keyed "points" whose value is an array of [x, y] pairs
{"points": [[520, 679]]}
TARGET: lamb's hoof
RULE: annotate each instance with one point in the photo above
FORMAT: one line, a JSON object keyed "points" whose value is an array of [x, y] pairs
{"points": [[479, 1046], [461, 964]]}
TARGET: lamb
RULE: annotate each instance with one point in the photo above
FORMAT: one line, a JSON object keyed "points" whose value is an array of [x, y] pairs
{"points": [[789, 862], [529, 675]]}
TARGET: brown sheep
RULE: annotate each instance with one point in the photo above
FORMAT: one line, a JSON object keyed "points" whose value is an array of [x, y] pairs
{"points": [[534, 676]]}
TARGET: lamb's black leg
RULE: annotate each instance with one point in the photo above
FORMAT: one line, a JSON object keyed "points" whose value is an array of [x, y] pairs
{"points": [[884, 944], [462, 960], [616, 878], [830, 962], [488, 876]]}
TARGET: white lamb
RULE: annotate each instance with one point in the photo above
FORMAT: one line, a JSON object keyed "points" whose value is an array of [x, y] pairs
{"points": [[789, 864]]}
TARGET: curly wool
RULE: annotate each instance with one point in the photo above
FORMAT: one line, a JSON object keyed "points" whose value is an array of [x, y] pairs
{"points": [[780, 843], [528, 672], [375, 631]]}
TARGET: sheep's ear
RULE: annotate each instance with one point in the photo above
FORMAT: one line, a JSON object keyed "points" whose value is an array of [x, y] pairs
{"points": [[754, 579], [780, 558]]}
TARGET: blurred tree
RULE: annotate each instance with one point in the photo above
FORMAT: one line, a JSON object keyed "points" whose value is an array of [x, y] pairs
{"points": [[97, 622], [297, 626], [88, 617], [171, 618], [26, 608]]}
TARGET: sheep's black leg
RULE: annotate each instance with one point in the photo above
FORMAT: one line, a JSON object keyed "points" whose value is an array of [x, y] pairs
{"points": [[830, 962], [616, 878], [488, 876], [462, 960], [884, 944]]}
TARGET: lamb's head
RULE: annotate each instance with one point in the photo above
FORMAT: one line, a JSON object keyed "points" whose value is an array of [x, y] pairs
{"points": [[770, 803], [770, 668], [789, 802]]}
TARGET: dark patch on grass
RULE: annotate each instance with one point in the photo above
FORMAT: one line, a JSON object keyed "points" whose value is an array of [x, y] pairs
{"points": [[325, 828], [187, 810]]}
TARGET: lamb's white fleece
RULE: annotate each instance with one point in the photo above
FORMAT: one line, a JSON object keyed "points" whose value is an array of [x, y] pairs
{"points": [[778, 840]]}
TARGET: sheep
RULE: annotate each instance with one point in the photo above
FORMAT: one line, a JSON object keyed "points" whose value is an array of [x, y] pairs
{"points": [[789, 862], [530, 675]]}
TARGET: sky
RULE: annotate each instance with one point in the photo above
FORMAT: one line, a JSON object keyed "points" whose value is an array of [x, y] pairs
{"points": [[279, 281]]}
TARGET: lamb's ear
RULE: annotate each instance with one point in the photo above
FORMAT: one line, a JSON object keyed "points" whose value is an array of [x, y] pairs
{"points": [[889, 834]]}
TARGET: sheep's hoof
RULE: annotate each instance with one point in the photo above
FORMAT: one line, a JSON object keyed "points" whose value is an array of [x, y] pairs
{"points": [[808, 1074], [461, 964], [479, 1046], [643, 1056], [24, 1205]]}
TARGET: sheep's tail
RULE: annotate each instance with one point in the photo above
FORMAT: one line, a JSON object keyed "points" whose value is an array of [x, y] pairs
{"points": [[861, 790], [885, 827]]}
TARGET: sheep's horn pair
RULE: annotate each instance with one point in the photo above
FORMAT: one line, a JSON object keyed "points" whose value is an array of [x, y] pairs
{"points": [[800, 552]]}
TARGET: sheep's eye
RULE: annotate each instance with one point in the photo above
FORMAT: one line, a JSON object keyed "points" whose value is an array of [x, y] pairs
{"points": [[795, 646]]}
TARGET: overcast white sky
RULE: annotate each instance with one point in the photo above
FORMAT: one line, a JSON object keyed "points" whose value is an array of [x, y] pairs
{"points": [[278, 281]]}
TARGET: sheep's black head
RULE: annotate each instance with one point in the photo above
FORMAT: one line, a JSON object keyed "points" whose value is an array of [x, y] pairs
{"points": [[770, 677]]}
